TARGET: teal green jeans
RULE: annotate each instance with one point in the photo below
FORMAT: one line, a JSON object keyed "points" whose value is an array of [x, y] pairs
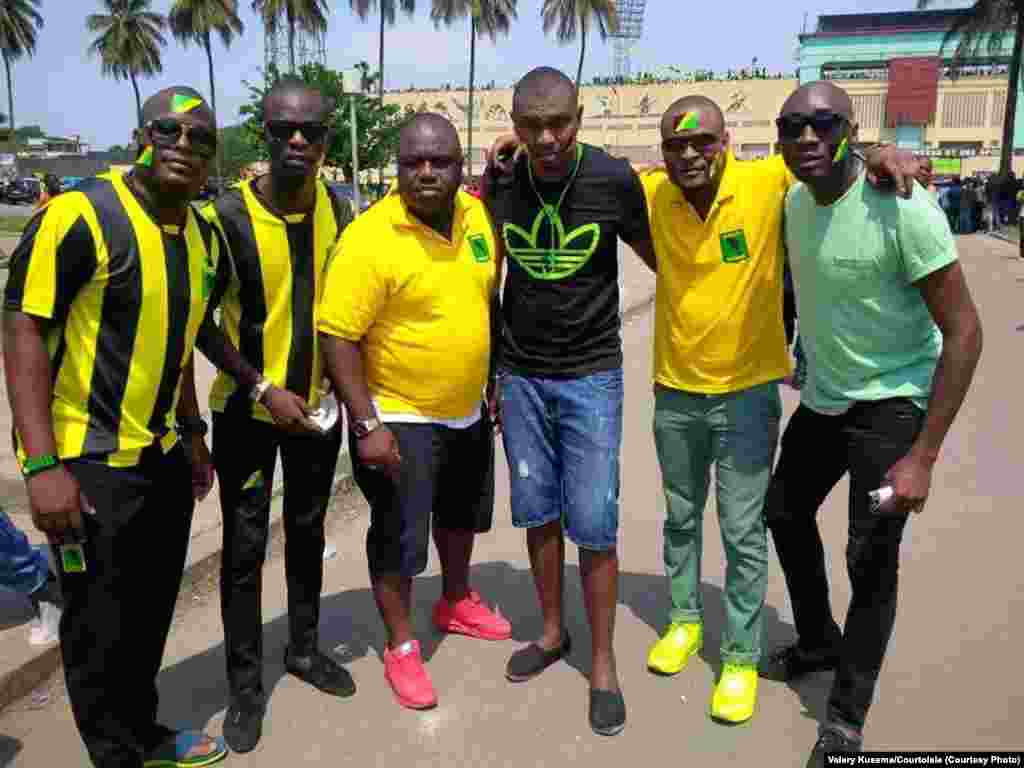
{"points": [[737, 432]]}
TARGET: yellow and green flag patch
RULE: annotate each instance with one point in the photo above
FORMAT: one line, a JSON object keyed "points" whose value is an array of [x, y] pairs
{"points": [[688, 121], [146, 158], [183, 102]]}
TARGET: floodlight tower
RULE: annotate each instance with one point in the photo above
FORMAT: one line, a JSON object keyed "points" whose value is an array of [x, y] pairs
{"points": [[309, 48], [631, 27]]}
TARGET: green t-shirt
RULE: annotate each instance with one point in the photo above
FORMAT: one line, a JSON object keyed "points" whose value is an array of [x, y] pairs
{"points": [[864, 326]]}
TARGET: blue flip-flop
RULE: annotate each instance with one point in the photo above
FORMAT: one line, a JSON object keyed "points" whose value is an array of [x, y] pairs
{"points": [[171, 754]]}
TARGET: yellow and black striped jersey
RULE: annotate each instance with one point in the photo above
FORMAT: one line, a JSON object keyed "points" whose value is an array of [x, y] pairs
{"points": [[271, 305], [125, 297]]}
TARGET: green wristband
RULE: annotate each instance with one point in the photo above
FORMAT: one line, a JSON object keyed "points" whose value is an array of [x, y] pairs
{"points": [[33, 465]]}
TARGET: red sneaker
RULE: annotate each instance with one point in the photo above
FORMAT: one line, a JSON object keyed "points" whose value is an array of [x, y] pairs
{"points": [[404, 671], [471, 617]]}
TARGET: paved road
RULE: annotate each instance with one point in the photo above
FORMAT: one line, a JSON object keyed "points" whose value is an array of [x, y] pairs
{"points": [[951, 679]]}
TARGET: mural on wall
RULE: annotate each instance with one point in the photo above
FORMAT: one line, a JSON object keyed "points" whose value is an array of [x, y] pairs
{"points": [[603, 104], [737, 101], [645, 105], [442, 108], [464, 107], [497, 112]]}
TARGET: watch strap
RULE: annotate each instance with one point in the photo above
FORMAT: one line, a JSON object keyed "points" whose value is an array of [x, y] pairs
{"points": [[33, 465]]}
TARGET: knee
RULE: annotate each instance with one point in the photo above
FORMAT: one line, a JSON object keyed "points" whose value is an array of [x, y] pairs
{"points": [[873, 567]]}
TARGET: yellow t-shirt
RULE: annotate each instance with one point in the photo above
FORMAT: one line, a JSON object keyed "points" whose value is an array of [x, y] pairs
{"points": [[420, 305], [718, 307]]}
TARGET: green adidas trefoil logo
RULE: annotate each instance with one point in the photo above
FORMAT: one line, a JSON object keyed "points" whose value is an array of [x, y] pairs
{"points": [[570, 252]]}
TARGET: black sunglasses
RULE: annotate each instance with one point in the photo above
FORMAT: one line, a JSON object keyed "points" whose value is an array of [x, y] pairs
{"points": [[166, 131], [825, 124], [283, 130]]}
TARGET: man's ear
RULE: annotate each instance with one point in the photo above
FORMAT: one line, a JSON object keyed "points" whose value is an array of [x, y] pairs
{"points": [[854, 130], [726, 140]]}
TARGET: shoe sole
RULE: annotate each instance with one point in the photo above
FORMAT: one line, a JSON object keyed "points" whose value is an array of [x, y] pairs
{"points": [[458, 628], [615, 730], [671, 672], [196, 763]]}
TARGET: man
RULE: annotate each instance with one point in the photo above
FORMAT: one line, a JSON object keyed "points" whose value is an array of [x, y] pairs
{"points": [[406, 331], [720, 349], [892, 339], [281, 228], [106, 293], [561, 210]]}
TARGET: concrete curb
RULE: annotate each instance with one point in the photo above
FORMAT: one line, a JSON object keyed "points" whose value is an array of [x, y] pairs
{"points": [[1003, 237], [42, 668]]}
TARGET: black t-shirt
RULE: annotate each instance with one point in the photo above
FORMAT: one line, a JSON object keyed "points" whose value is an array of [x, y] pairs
{"points": [[560, 307]]}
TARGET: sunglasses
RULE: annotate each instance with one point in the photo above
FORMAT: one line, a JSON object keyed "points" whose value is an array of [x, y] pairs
{"points": [[167, 132], [702, 145], [282, 130], [825, 124]]}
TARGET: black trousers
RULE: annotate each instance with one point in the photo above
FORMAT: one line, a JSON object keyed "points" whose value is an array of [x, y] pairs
{"points": [[244, 452], [817, 451], [117, 614]]}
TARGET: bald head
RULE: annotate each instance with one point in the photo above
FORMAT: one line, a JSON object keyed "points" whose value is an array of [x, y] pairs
{"points": [[818, 97], [429, 127], [692, 114], [177, 100], [544, 84]]}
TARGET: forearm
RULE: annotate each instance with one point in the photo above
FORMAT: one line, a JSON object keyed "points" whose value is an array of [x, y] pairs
{"points": [[188, 401], [344, 362], [952, 379], [29, 387], [497, 336], [219, 350]]}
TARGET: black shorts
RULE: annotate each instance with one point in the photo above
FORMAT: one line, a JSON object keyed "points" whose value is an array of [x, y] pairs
{"points": [[447, 477]]}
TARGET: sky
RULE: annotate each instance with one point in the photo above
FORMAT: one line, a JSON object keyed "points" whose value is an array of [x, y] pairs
{"points": [[61, 88]]}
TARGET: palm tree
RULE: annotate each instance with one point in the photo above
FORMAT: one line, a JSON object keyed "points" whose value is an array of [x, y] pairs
{"points": [[20, 22], [985, 28], [568, 16], [486, 17], [129, 42], [387, 10], [308, 15], [193, 21]]}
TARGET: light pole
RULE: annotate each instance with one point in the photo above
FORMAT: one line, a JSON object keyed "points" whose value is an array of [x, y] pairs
{"points": [[352, 84]]}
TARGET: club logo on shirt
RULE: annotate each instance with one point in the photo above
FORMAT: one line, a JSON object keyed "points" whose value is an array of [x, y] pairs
{"points": [[478, 244], [568, 254], [209, 277], [734, 246]]}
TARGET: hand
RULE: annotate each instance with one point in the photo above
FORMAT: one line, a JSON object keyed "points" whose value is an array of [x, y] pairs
{"points": [[55, 500], [202, 467], [289, 411], [494, 403], [379, 451], [888, 166], [911, 480], [503, 152]]}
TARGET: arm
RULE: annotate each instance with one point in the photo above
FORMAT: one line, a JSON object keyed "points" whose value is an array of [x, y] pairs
{"points": [[951, 306], [29, 378], [645, 250], [377, 449], [193, 433]]}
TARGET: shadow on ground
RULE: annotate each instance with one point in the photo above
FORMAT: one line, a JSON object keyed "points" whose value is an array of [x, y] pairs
{"points": [[195, 690], [9, 749]]}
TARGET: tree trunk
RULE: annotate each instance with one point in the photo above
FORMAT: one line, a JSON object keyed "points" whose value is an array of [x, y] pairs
{"points": [[10, 103], [213, 103], [583, 50], [291, 43], [1013, 88], [472, 105], [380, 85], [138, 100], [380, 58]]}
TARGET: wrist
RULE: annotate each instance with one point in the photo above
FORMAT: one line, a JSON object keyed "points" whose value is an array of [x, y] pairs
{"points": [[924, 454], [192, 427], [39, 463], [261, 389]]}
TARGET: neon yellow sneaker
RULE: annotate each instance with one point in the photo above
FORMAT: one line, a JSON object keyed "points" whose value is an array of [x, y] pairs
{"points": [[681, 640], [736, 693]]}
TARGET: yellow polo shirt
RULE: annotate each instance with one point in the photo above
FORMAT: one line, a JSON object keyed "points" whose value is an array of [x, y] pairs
{"points": [[420, 305], [718, 307]]}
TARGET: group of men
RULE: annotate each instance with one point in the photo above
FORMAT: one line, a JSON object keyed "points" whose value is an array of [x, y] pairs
{"points": [[115, 284]]}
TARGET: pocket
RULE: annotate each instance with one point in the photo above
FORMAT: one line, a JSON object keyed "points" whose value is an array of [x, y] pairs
{"points": [[606, 381]]}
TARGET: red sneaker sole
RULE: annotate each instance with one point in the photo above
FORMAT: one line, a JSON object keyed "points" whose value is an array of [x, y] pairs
{"points": [[458, 628]]}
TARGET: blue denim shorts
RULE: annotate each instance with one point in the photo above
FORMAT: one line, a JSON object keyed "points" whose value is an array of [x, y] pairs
{"points": [[562, 439]]}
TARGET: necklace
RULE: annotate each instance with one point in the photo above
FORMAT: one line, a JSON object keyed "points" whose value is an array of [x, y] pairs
{"points": [[551, 211]]}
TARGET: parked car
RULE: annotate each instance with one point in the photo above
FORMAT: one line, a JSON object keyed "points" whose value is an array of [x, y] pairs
{"points": [[70, 182], [23, 191]]}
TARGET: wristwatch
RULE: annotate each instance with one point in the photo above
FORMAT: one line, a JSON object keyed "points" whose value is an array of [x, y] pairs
{"points": [[33, 465], [362, 427], [190, 428], [258, 391]]}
